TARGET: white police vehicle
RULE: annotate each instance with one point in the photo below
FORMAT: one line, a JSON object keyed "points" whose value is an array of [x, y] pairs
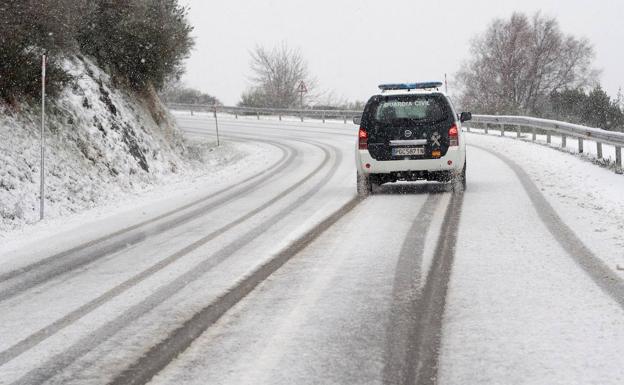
{"points": [[410, 132]]}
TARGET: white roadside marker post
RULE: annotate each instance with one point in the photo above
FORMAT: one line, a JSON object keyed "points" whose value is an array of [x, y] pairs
{"points": [[42, 166], [216, 124]]}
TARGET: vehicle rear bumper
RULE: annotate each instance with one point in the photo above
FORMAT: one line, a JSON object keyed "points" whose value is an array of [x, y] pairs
{"points": [[456, 156]]}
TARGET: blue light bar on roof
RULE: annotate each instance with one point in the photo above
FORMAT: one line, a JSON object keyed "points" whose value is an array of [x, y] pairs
{"points": [[410, 86]]}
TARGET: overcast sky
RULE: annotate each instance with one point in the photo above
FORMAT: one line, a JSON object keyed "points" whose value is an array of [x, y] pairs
{"points": [[353, 45]]}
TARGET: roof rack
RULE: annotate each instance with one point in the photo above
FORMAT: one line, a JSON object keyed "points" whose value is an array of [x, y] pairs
{"points": [[410, 86]]}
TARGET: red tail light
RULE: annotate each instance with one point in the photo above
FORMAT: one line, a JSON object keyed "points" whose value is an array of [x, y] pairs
{"points": [[363, 139], [453, 135]]}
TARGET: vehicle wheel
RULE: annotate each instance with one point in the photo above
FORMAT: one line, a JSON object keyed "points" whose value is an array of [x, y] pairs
{"points": [[459, 181], [364, 185], [375, 187]]}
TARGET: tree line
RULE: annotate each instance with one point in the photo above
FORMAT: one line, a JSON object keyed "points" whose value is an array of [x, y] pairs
{"points": [[522, 65], [593, 108], [176, 92], [528, 66], [141, 43]]}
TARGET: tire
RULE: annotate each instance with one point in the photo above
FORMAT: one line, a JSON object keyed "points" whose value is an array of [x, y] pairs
{"points": [[364, 185], [459, 181], [375, 188]]}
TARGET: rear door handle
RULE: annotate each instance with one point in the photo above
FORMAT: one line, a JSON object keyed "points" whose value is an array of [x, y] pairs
{"points": [[414, 142]]}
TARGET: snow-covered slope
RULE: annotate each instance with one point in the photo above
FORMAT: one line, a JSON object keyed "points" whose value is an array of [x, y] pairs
{"points": [[102, 141]]}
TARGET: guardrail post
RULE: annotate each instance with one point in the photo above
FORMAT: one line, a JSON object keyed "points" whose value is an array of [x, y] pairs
{"points": [[280, 116], [548, 139], [580, 145], [563, 141], [502, 129], [618, 159], [534, 136], [258, 115], [599, 150], [345, 119], [323, 115], [518, 131], [191, 108], [486, 128]]}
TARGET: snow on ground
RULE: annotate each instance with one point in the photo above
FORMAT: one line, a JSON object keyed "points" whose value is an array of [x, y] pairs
{"points": [[322, 318], [590, 149], [587, 197], [247, 245], [102, 142], [224, 166], [519, 309]]}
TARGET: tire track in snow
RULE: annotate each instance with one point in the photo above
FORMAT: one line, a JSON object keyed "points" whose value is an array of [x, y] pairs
{"points": [[159, 356], [51, 329], [57, 363], [603, 276], [19, 280], [417, 355], [407, 286]]}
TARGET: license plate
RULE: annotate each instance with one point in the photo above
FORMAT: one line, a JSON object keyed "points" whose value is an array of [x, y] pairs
{"points": [[408, 151]]}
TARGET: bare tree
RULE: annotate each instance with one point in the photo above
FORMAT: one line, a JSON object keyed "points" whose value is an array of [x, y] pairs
{"points": [[276, 75], [518, 62]]}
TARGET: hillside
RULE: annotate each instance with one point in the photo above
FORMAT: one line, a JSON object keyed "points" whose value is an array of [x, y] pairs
{"points": [[101, 141]]}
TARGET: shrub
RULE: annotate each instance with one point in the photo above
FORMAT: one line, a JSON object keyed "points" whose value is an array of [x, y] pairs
{"points": [[184, 95], [141, 41], [28, 29], [144, 42]]}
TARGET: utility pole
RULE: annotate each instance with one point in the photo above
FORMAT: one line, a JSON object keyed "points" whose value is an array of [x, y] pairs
{"points": [[42, 166]]}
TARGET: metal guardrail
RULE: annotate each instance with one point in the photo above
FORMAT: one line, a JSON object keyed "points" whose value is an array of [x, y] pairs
{"points": [[345, 115], [549, 127]]}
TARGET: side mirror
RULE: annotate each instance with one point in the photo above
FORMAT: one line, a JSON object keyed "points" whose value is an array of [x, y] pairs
{"points": [[357, 120], [465, 116]]}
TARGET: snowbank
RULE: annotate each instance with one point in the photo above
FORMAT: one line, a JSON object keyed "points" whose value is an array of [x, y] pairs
{"points": [[587, 197], [101, 143]]}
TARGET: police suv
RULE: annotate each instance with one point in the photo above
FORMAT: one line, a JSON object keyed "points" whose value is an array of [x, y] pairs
{"points": [[410, 132]]}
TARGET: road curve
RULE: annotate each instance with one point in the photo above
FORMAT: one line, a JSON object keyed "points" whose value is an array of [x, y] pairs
{"points": [[287, 277]]}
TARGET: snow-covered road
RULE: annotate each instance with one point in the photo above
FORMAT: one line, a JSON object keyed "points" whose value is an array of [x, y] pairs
{"points": [[280, 275]]}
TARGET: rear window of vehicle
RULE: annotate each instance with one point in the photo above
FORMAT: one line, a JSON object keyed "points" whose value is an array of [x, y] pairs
{"points": [[412, 107]]}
